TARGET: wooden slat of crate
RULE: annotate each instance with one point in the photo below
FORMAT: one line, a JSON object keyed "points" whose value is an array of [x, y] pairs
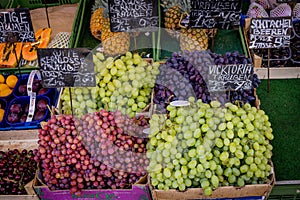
{"points": [[19, 197], [19, 134], [23, 139], [278, 73]]}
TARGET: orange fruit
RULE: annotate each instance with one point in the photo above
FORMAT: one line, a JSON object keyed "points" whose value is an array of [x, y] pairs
{"points": [[11, 81], [2, 79], [1, 114], [4, 90]]}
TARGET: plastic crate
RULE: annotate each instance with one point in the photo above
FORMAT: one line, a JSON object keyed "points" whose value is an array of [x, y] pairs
{"points": [[32, 4], [4, 4], [138, 191], [285, 190], [23, 101], [78, 24], [168, 44], [84, 38], [52, 96]]}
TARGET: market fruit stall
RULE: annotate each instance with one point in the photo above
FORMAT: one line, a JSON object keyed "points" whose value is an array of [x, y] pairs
{"points": [[163, 111]]}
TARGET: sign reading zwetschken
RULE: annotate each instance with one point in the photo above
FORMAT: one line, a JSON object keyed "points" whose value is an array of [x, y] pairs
{"points": [[133, 15], [224, 14], [230, 77], [16, 23], [268, 33], [66, 67]]}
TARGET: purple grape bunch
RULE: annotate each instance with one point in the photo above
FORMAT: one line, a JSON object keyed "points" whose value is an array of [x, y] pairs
{"points": [[179, 79], [239, 96], [186, 73]]}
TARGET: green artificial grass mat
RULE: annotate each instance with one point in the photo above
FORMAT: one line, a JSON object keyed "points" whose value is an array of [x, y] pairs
{"points": [[282, 105]]}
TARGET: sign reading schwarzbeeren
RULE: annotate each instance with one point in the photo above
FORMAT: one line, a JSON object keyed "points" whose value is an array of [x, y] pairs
{"points": [[133, 15], [269, 33]]}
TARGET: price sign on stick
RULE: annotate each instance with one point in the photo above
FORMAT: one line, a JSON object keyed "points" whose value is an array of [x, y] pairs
{"points": [[224, 14], [133, 15], [16, 26], [66, 67], [269, 33], [230, 77]]}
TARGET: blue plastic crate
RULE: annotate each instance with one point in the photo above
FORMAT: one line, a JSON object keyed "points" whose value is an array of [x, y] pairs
{"points": [[23, 101]]}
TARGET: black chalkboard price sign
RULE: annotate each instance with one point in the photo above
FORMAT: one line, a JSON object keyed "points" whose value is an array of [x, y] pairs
{"points": [[230, 77], [133, 15], [16, 25], [221, 14], [268, 33], [66, 67]]}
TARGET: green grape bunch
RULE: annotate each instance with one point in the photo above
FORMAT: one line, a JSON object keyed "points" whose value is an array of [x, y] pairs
{"points": [[209, 146], [125, 83], [82, 100]]}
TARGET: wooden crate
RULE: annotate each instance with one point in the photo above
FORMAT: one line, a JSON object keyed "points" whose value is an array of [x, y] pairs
{"points": [[23, 139]]}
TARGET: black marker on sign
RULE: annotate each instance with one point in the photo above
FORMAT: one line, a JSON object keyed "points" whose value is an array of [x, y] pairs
{"points": [[224, 14], [16, 23], [230, 77], [66, 67], [133, 15]]}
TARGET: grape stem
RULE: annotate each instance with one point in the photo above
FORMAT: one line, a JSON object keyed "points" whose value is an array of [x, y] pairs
{"points": [[7, 179]]}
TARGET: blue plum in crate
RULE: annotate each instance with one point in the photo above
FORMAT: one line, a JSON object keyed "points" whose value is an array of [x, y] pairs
{"points": [[19, 109], [37, 87]]}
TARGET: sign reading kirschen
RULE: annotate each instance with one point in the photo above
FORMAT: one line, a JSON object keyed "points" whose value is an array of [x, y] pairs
{"points": [[133, 15], [269, 33], [230, 77], [224, 14], [16, 25], [66, 67]]}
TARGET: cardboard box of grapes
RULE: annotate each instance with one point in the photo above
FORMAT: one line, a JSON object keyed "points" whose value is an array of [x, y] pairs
{"points": [[252, 191], [11, 140], [256, 191], [140, 190]]}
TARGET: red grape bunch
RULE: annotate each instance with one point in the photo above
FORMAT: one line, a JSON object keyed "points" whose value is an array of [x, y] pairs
{"points": [[77, 154]]}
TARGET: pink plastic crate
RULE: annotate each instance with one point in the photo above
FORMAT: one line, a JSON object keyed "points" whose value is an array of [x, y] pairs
{"points": [[138, 192]]}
